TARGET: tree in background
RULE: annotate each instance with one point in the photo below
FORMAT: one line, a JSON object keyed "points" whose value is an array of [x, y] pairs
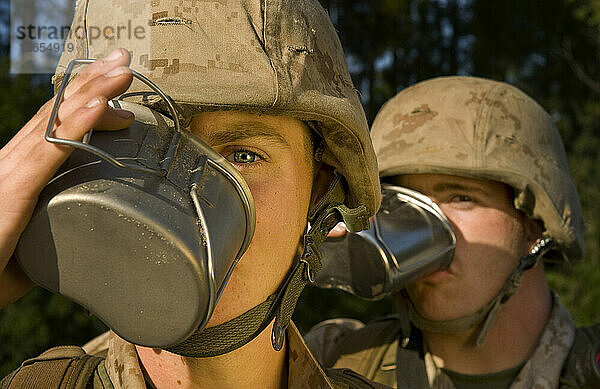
{"points": [[548, 49]]}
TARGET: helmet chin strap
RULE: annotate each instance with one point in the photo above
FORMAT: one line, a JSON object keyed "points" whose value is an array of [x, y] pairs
{"points": [[237, 332], [485, 316]]}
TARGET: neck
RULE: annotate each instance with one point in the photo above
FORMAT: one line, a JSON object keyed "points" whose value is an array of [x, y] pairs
{"points": [[511, 339], [255, 365]]}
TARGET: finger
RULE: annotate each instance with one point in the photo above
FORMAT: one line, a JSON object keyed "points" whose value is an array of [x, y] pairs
{"points": [[115, 119], [109, 85], [116, 58], [338, 231], [25, 172], [34, 161]]}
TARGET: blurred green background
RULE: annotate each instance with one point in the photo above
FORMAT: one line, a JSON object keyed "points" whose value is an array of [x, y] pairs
{"points": [[550, 49]]}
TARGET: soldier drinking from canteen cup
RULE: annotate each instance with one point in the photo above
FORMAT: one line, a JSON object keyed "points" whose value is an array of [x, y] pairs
{"points": [[135, 225], [492, 160]]}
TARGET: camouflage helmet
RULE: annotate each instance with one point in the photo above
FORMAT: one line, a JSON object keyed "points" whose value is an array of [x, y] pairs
{"points": [[279, 57], [480, 128]]}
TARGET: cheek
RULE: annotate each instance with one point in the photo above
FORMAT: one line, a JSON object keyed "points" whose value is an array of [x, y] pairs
{"points": [[484, 226], [281, 199], [489, 242], [278, 212]]}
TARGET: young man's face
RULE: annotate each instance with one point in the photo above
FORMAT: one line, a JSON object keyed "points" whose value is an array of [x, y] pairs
{"points": [[491, 237], [274, 155]]}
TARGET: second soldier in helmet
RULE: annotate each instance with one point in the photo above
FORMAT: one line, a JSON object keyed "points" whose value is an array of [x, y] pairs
{"points": [[493, 161]]}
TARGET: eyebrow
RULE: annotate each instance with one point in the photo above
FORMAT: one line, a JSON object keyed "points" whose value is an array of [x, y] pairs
{"points": [[447, 186], [244, 130]]}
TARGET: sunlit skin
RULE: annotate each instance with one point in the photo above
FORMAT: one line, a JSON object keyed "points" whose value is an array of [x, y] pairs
{"points": [[491, 237], [271, 154]]}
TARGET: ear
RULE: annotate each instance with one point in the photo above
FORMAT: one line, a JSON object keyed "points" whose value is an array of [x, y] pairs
{"points": [[324, 175]]}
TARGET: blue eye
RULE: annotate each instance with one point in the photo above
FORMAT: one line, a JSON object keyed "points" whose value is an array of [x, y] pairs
{"points": [[244, 156]]}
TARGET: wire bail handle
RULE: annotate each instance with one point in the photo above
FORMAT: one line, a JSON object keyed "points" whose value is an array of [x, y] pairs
{"points": [[95, 150]]}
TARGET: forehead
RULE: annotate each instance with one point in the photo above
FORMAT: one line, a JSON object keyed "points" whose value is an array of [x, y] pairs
{"points": [[221, 127], [440, 183]]}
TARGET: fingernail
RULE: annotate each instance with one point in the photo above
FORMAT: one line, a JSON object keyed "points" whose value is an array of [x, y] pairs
{"points": [[113, 55], [340, 228], [93, 102], [123, 114], [117, 71]]}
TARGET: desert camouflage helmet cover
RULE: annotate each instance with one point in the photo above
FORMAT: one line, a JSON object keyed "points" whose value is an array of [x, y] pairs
{"points": [[480, 128], [264, 56]]}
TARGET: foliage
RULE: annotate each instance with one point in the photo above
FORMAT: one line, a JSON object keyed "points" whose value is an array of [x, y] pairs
{"points": [[20, 98], [41, 320]]}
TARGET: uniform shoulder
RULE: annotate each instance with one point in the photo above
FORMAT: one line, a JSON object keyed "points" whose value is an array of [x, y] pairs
{"points": [[324, 336], [98, 346], [327, 338]]}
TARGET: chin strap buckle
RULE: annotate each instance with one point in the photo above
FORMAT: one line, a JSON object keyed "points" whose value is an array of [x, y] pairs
{"points": [[277, 336], [541, 247], [310, 273], [329, 211]]}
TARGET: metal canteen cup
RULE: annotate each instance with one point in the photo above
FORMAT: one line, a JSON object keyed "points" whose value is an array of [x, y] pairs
{"points": [[409, 238], [141, 226]]}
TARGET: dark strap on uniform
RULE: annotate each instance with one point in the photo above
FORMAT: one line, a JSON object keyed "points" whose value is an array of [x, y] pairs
{"points": [[235, 333], [364, 349], [227, 336], [410, 364]]}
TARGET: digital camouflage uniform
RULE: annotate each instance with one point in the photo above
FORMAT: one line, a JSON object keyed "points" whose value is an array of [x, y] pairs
{"points": [[109, 362], [541, 371]]}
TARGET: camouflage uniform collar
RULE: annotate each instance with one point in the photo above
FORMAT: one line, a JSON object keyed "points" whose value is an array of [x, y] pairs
{"points": [[124, 370], [303, 369], [543, 368]]}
